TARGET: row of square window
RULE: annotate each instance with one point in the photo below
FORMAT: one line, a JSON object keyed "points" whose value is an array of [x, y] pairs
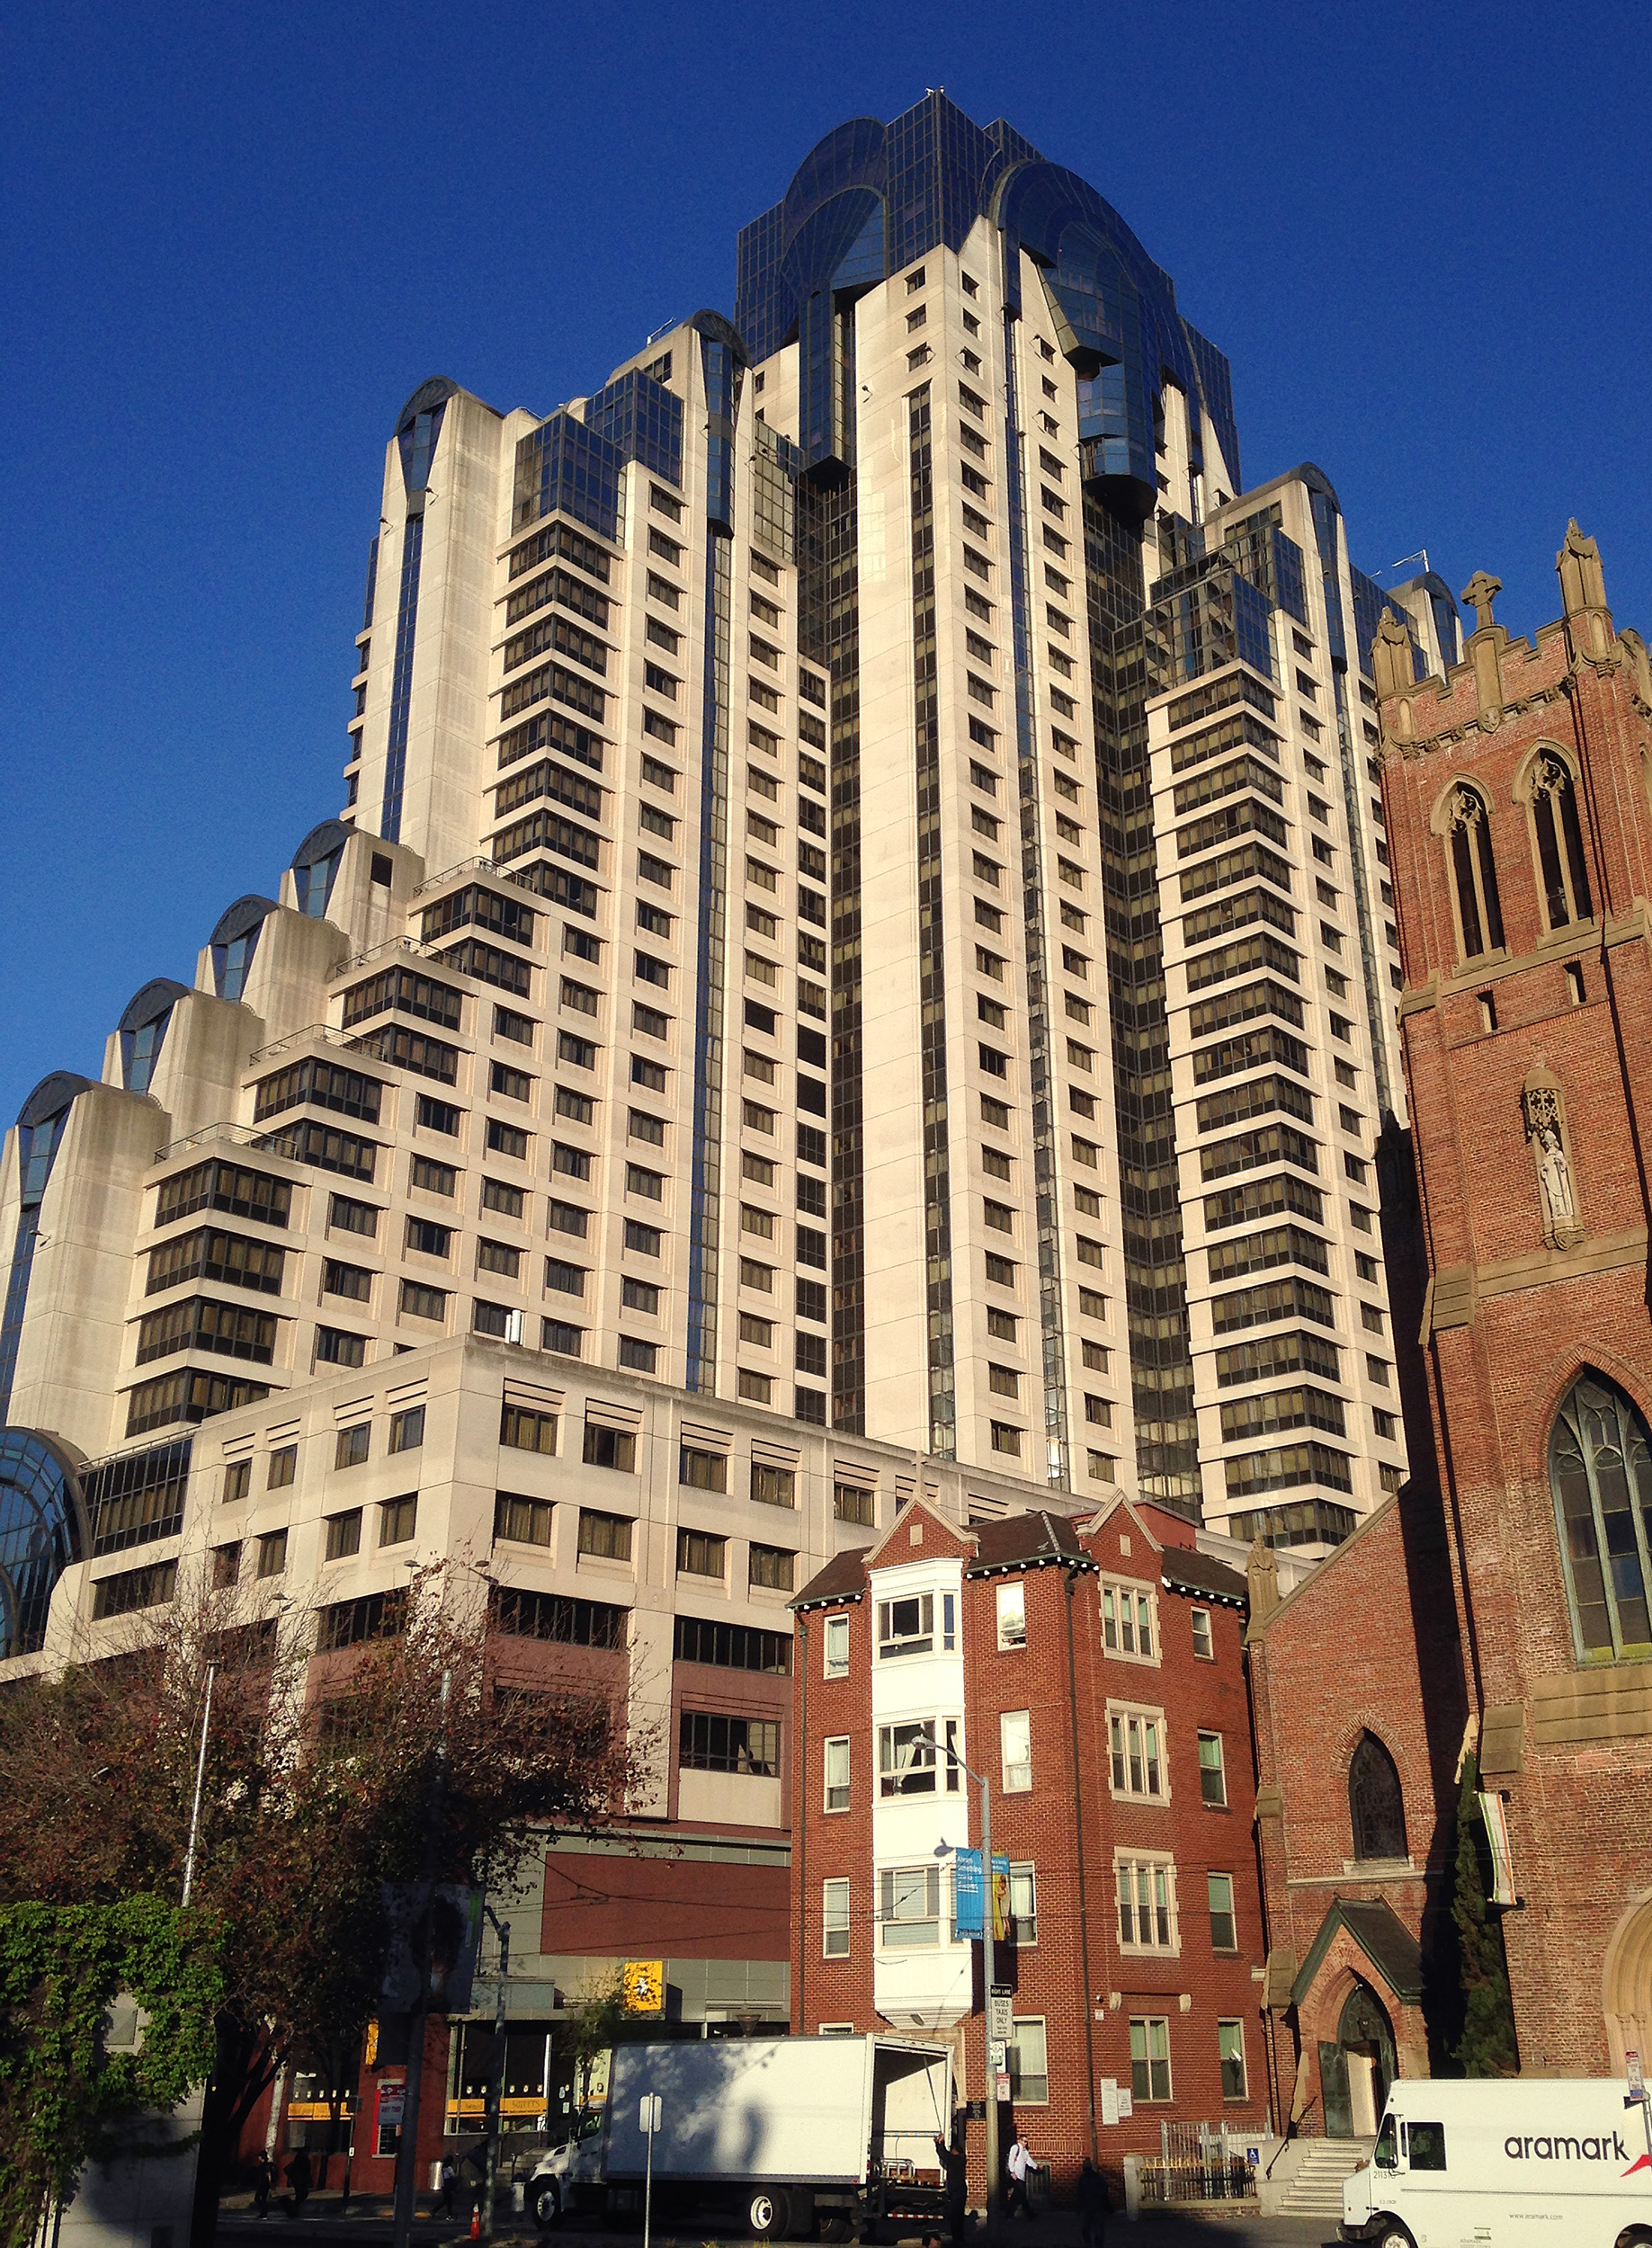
{"points": [[906, 1625], [921, 1757], [350, 1447], [911, 1899], [398, 1520], [525, 1521]]}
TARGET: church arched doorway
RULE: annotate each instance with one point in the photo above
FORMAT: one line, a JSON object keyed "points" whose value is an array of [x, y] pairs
{"points": [[1356, 2071], [1626, 1991]]}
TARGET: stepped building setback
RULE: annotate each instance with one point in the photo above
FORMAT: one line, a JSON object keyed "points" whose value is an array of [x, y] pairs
{"points": [[857, 957]]}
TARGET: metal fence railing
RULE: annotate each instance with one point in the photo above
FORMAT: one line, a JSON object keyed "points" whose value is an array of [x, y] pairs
{"points": [[1196, 2163]]}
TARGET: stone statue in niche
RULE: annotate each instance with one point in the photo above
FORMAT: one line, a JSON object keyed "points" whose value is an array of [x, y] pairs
{"points": [[1557, 1188]]}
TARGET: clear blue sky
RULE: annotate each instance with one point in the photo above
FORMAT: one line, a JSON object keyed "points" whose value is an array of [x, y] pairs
{"points": [[237, 237]]}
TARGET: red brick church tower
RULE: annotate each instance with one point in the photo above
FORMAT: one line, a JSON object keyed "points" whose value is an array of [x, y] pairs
{"points": [[1519, 806]]}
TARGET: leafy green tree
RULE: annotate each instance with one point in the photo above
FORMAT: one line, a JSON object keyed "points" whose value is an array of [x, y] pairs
{"points": [[67, 2096], [592, 2023], [1487, 2045], [317, 1791]]}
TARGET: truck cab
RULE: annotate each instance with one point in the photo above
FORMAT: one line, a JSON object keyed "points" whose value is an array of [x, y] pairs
{"points": [[1495, 2160]]}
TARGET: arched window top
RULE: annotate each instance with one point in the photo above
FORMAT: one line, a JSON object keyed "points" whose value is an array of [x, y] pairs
{"points": [[143, 1028], [236, 940], [1464, 818], [1376, 1801], [315, 865], [40, 1534], [1599, 1471], [1550, 788]]}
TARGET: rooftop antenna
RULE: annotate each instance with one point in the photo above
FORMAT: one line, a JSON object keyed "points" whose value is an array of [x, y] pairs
{"points": [[1420, 556]]}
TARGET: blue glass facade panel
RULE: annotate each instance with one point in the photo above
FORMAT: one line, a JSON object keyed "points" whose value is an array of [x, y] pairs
{"points": [[40, 1537], [564, 468], [642, 420]]}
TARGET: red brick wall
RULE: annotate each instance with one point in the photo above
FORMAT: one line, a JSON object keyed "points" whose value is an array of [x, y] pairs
{"points": [[1369, 1642], [681, 1908], [1579, 1810], [1070, 1802]]}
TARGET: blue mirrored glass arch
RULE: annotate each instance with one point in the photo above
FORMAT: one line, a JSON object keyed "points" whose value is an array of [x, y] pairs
{"points": [[42, 1532], [234, 942], [315, 866], [143, 1030]]}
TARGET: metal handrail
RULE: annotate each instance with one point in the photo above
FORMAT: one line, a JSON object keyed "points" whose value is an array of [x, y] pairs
{"points": [[325, 1031], [239, 1135], [377, 951], [472, 866]]}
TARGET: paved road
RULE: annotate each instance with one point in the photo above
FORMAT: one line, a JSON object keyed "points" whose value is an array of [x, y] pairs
{"points": [[368, 2227]]}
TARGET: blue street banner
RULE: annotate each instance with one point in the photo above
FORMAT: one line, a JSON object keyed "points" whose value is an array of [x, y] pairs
{"points": [[967, 1906], [969, 1899]]}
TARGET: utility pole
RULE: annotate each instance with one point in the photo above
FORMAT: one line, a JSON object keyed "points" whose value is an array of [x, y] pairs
{"points": [[408, 2150], [200, 1776], [988, 1975], [988, 1972], [496, 2090]]}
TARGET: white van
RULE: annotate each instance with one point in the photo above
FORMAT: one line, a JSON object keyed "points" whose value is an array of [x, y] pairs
{"points": [[1475, 2165]]}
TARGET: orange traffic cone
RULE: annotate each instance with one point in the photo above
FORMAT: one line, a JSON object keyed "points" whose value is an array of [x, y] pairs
{"points": [[476, 2224]]}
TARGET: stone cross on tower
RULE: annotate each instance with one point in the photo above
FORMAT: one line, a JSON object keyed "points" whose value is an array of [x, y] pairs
{"points": [[1479, 592]]}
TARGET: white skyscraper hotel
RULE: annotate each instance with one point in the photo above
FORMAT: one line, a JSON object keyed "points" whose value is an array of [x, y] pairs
{"points": [[857, 929]]}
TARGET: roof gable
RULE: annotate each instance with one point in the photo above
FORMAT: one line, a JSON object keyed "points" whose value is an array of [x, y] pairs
{"points": [[1381, 1935], [1114, 1519], [919, 1532]]}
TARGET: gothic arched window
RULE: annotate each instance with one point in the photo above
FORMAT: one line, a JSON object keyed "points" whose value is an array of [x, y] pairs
{"points": [[1479, 916], [1559, 842], [1376, 1804], [1600, 1470]]}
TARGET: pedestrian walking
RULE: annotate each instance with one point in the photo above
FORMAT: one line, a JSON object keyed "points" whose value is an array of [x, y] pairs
{"points": [[299, 2179], [449, 2187], [1020, 2162], [1093, 2203], [954, 2176], [264, 2179]]}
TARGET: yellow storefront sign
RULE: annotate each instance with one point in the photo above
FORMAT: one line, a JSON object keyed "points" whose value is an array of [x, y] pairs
{"points": [[642, 1983]]}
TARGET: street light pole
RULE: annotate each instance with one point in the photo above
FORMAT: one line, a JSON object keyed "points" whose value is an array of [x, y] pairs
{"points": [[496, 2090], [988, 1972], [406, 2202], [201, 1775]]}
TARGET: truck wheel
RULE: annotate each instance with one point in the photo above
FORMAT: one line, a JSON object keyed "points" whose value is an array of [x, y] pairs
{"points": [[1393, 2235], [548, 2205], [768, 2215], [836, 2229]]}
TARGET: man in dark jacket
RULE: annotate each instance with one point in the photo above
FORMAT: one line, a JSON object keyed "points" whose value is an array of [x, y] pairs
{"points": [[955, 2176], [1092, 2203], [299, 2179], [264, 2178]]}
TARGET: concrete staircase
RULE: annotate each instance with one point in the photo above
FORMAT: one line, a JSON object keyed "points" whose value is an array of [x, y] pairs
{"points": [[1316, 2187]]}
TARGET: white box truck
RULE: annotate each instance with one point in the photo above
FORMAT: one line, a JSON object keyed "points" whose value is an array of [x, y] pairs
{"points": [[774, 2134], [1499, 2159]]}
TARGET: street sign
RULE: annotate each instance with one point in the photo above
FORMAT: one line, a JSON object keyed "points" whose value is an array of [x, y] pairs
{"points": [[1004, 1990], [649, 2113], [998, 2021], [1003, 2088], [1636, 2079], [975, 2111], [996, 2053], [642, 1983]]}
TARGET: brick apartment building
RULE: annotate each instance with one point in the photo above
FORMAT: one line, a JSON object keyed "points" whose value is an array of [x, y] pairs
{"points": [[1502, 1601], [1093, 1670]]}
